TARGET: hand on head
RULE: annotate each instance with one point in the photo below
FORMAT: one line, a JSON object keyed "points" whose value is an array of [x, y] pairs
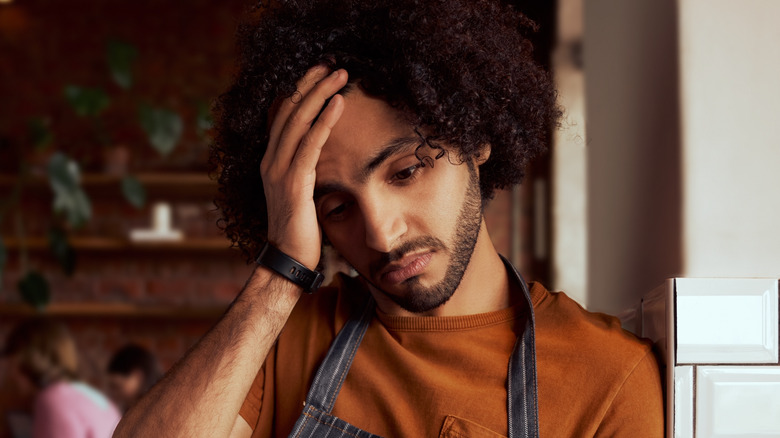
{"points": [[297, 134]]}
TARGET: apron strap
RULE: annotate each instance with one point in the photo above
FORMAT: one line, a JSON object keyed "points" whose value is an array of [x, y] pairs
{"points": [[333, 370], [522, 409]]}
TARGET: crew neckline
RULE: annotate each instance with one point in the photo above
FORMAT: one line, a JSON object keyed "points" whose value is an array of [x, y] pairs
{"points": [[450, 323], [537, 294]]}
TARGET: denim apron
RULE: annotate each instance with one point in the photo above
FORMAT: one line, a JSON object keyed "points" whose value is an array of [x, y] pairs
{"points": [[316, 421]]}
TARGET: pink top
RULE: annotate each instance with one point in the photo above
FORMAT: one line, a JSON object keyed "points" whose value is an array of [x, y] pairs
{"points": [[73, 410]]}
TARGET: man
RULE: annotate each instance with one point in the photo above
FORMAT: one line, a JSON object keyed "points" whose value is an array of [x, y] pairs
{"points": [[381, 128]]}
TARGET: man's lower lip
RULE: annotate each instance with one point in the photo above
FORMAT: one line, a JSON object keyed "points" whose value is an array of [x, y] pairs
{"points": [[414, 268]]}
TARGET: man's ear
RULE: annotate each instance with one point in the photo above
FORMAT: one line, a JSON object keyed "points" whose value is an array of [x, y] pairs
{"points": [[482, 155]]}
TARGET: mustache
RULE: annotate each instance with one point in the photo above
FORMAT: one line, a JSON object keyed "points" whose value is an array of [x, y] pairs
{"points": [[427, 242]]}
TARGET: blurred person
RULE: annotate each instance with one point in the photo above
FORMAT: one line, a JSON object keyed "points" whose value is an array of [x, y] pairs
{"points": [[43, 364], [131, 372]]}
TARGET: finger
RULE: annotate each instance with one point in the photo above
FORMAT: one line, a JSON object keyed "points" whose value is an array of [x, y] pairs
{"points": [[282, 108], [308, 153], [301, 119]]}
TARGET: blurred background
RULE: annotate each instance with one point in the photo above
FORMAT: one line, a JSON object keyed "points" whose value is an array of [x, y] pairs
{"points": [[665, 164], [106, 204]]}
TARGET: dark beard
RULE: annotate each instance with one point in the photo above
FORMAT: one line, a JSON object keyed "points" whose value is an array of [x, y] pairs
{"points": [[420, 299]]}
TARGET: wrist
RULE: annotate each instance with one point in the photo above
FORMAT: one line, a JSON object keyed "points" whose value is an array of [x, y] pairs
{"points": [[289, 268]]}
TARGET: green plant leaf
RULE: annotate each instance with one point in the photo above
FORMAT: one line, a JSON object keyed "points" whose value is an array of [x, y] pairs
{"points": [[121, 56], [134, 191], [69, 198], [34, 290], [86, 102], [62, 250], [63, 172], [203, 121], [76, 207], [3, 259], [163, 127], [40, 134]]}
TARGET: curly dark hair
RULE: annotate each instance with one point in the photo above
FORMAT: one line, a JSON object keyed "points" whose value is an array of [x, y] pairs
{"points": [[462, 69]]}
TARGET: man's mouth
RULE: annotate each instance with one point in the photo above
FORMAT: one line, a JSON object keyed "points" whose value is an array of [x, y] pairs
{"points": [[407, 267]]}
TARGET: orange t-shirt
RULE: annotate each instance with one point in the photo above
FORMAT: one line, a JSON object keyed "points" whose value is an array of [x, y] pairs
{"points": [[446, 376]]}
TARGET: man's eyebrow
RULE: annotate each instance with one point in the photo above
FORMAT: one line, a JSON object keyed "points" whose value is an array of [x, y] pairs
{"points": [[391, 148]]}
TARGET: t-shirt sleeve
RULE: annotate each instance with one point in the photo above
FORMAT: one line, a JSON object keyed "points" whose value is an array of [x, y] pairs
{"points": [[52, 417], [250, 410], [637, 409]]}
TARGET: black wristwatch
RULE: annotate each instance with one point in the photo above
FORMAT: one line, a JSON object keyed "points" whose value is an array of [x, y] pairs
{"points": [[289, 268]]}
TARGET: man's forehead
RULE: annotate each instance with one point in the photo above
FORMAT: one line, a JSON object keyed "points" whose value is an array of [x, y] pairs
{"points": [[368, 132]]}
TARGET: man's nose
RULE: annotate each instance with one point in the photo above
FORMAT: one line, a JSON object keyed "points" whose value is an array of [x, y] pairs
{"points": [[384, 223]]}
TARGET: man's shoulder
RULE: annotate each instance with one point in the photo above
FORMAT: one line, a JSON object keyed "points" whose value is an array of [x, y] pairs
{"points": [[565, 328], [591, 371]]}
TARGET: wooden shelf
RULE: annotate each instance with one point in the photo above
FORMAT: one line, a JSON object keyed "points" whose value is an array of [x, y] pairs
{"points": [[106, 244], [154, 179], [155, 183], [114, 310]]}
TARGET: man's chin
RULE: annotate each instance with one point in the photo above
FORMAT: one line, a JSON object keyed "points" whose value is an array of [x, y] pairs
{"points": [[419, 298]]}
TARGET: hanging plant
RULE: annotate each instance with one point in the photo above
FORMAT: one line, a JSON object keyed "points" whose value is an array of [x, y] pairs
{"points": [[71, 206], [163, 127], [121, 58], [69, 197], [86, 102], [35, 290], [134, 191]]}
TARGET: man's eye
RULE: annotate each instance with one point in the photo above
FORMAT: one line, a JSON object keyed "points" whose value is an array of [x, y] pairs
{"points": [[407, 172], [337, 210]]}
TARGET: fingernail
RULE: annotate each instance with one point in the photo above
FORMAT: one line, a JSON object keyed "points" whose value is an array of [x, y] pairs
{"points": [[335, 74]]}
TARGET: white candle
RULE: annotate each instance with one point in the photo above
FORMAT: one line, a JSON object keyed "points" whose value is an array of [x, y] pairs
{"points": [[161, 217]]}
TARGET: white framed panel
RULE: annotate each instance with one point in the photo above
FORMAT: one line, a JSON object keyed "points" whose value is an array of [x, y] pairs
{"points": [[737, 401], [726, 321], [683, 402]]}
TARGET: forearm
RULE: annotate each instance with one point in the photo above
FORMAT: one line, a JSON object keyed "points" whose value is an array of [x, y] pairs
{"points": [[202, 394]]}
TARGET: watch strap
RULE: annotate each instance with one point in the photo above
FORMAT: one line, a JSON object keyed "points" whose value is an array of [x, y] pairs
{"points": [[289, 268]]}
